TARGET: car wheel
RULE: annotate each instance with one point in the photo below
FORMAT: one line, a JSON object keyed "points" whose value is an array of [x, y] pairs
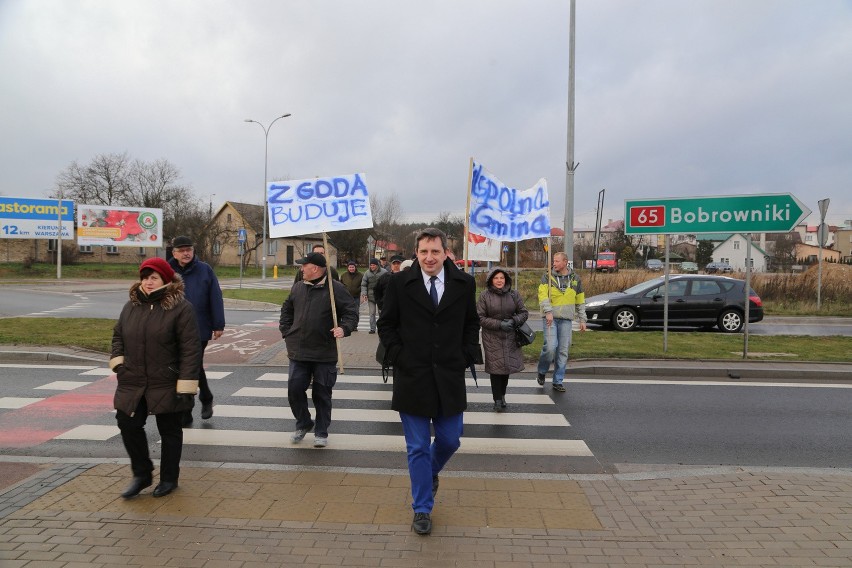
{"points": [[731, 321], [624, 319]]}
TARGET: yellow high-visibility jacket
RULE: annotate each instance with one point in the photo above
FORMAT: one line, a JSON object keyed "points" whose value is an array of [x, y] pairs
{"points": [[565, 299]]}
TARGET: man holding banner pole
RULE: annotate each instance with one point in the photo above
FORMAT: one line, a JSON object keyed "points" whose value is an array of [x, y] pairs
{"points": [[313, 319]]}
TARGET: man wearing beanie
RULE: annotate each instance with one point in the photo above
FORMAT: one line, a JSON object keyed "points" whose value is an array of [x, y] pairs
{"points": [[368, 290], [352, 280], [205, 295], [156, 356]]}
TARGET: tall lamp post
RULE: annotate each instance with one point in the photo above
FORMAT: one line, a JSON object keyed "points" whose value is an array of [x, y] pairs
{"points": [[266, 130]]}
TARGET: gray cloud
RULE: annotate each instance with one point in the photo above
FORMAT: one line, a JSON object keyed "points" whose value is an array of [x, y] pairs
{"points": [[673, 98]]}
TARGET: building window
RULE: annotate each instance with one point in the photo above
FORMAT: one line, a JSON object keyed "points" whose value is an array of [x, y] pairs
{"points": [[111, 249], [273, 248], [736, 245], [51, 245], [85, 249], [142, 251], [217, 248], [228, 217]]}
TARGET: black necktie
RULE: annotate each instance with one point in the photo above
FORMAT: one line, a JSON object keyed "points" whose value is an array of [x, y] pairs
{"points": [[433, 292]]}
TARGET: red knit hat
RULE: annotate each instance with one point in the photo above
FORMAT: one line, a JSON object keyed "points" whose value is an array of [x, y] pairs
{"points": [[161, 267]]}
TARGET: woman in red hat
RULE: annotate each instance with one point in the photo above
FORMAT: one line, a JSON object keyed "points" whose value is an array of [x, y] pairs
{"points": [[156, 355]]}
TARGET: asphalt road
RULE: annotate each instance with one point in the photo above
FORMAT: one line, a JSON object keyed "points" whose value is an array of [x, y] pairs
{"points": [[23, 301], [597, 426]]}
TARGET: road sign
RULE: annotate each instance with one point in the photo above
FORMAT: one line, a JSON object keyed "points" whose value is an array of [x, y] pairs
{"points": [[762, 213], [822, 234], [241, 235]]}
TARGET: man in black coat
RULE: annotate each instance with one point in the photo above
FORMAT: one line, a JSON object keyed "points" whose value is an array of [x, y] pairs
{"points": [[430, 329], [308, 329]]}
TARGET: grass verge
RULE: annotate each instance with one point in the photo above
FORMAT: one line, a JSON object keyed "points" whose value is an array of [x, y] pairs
{"points": [[96, 334], [701, 345]]}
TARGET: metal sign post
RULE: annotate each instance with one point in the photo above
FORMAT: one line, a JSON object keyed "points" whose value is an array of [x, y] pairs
{"points": [[241, 238]]}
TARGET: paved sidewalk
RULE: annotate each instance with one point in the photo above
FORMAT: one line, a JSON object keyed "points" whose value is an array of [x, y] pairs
{"points": [[70, 515]]}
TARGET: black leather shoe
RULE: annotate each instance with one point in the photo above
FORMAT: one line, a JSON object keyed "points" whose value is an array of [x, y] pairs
{"points": [[497, 406], [502, 403], [422, 523], [137, 485], [435, 483], [164, 488], [206, 410]]}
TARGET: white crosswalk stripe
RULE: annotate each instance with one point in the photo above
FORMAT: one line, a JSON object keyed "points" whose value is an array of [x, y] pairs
{"points": [[497, 434]]}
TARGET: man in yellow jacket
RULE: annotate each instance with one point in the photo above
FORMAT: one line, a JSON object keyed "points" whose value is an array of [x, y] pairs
{"points": [[561, 298]]}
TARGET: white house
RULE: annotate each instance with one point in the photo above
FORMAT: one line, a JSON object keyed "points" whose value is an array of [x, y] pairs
{"points": [[734, 251]]}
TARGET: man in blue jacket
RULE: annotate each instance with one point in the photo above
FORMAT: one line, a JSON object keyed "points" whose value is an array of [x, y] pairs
{"points": [[205, 295]]}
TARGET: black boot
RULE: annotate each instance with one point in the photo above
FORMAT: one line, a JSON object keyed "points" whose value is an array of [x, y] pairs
{"points": [[137, 485]]}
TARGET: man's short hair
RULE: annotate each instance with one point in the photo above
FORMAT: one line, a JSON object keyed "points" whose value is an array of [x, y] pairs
{"points": [[562, 254], [431, 233], [317, 246]]}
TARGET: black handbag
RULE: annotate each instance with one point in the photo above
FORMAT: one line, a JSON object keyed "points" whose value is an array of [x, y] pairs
{"points": [[524, 334]]}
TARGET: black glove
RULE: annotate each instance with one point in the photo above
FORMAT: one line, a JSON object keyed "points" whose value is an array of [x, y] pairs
{"points": [[186, 400], [507, 325]]}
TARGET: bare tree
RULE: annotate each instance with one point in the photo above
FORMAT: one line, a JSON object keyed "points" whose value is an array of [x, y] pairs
{"points": [[101, 182]]}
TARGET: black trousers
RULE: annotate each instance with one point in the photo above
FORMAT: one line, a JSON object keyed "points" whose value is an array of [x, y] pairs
{"points": [[324, 377], [205, 395], [498, 386], [136, 442]]}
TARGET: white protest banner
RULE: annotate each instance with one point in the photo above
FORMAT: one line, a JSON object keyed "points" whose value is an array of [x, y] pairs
{"points": [[115, 225], [299, 207], [482, 248], [505, 213]]}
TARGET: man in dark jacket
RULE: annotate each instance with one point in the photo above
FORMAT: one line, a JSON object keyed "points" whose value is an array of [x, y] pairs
{"points": [[430, 329], [308, 329], [205, 295], [382, 283]]}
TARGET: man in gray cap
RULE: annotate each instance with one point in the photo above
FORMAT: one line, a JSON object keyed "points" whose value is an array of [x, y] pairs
{"points": [[368, 289], [382, 284]]}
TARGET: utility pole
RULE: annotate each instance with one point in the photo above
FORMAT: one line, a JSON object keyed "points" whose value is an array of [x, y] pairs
{"points": [[571, 167]]}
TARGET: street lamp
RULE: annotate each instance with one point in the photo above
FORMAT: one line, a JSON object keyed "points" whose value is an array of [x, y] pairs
{"points": [[266, 130]]}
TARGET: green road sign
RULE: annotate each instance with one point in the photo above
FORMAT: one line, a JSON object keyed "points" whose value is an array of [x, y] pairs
{"points": [[764, 213]]}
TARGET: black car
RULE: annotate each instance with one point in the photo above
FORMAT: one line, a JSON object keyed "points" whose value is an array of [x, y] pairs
{"points": [[694, 300]]}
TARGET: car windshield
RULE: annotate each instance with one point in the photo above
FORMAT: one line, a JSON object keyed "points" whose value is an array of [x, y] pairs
{"points": [[639, 288]]}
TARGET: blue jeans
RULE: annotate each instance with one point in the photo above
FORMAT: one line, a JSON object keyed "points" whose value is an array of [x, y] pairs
{"points": [[373, 311], [426, 459], [557, 342]]}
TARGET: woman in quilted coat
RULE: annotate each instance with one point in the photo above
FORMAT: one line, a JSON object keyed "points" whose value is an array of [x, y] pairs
{"points": [[156, 355], [501, 310]]}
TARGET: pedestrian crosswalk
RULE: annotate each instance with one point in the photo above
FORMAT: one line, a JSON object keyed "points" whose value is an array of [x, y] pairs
{"points": [[253, 413]]}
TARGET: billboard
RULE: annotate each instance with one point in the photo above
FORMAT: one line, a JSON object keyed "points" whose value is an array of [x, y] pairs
{"points": [[119, 226], [22, 218]]}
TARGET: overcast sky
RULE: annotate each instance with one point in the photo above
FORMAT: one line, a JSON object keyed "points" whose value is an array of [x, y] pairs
{"points": [[674, 98]]}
